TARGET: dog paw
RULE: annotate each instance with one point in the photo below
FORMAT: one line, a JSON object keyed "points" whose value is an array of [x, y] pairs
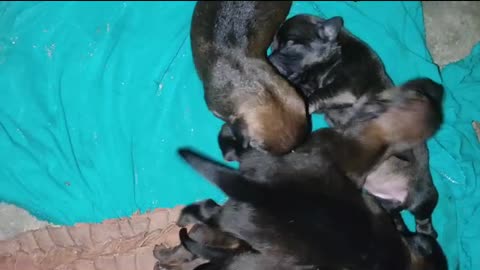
{"points": [[426, 228]]}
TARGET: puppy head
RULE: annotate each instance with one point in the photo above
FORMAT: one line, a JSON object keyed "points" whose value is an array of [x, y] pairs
{"points": [[425, 253], [305, 40], [404, 116]]}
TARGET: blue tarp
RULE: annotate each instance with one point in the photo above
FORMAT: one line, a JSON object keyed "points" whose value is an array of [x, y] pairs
{"points": [[95, 98]]}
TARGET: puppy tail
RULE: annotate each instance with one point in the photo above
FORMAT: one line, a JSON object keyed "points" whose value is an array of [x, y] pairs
{"points": [[205, 252], [230, 181]]}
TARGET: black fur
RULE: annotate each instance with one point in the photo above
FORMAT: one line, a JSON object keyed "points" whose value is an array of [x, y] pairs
{"points": [[303, 207], [323, 60], [338, 73]]}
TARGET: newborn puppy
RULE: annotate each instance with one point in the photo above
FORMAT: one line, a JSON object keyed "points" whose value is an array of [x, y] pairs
{"points": [[332, 68], [211, 253], [229, 43], [234, 259], [301, 206], [338, 73], [179, 258]]}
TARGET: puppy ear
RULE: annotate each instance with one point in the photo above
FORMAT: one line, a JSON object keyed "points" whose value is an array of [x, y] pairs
{"points": [[230, 181], [331, 28], [281, 63]]}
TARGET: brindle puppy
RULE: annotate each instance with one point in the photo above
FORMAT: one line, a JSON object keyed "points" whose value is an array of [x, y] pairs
{"points": [[229, 42], [338, 72], [302, 206]]}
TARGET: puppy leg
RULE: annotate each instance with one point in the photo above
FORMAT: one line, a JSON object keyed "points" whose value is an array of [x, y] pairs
{"points": [[204, 251], [423, 196], [179, 257], [172, 258], [198, 213], [422, 210], [394, 209], [228, 143]]}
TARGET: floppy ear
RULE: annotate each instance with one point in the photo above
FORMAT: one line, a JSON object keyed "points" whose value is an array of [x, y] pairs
{"points": [[331, 27], [230, 181]]}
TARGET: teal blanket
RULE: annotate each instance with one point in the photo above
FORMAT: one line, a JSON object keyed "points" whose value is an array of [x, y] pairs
{"points": [[95, 98]]}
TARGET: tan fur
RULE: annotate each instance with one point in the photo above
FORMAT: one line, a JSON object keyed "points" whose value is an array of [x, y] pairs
{"points": [[276, 123], [390, 132], [396, 123]]}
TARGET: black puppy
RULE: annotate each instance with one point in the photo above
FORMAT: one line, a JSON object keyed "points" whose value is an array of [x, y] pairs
{"points": [[229, 42], [213, 254], [220, 258], [304, 208], [338, 73], [180, 258], [424, 253]]}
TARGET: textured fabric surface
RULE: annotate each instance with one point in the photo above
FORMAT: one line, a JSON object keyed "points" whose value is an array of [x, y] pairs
{"points": [[96, 97], [116, 244]]}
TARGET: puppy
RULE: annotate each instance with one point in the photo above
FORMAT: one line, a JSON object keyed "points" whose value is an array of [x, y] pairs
{"points": [[229, 43], [303, 206], [213, 254], [237, 259], [338, 72], [331, 67], [180, 258]]}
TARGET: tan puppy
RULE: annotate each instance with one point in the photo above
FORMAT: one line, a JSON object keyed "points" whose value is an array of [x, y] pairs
{"points": [[229, 44]]}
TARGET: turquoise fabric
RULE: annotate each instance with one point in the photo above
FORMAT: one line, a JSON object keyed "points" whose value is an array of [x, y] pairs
{"points": [[95, 98]]}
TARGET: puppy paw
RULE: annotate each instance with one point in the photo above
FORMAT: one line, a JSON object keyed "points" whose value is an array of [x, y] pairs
{"points": [[172, 256], [162, 253], [426, 227], [228, 144], [198, 213]]}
